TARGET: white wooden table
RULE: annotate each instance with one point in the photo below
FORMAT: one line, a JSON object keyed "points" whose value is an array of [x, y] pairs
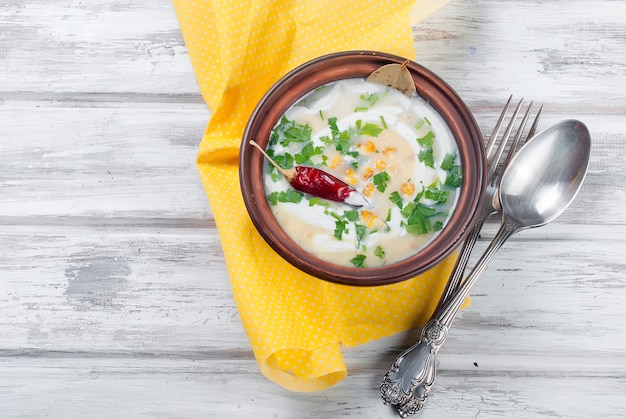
{"points": [[114, 298]]}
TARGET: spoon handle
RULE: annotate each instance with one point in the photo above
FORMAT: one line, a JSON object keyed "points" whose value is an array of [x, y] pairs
{"points": [[407, 383], [454, 282]]}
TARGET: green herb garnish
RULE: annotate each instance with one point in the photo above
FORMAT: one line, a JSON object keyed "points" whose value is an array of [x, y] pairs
{"points": [[372, 98], [382, 120], [340, 229], [351, 215], [381, 180], [360, 232], [436, 193], [426, 140], [448, 161], [426, 153], [314, 200], [290, 195], [379, 252], [426, 157], [370, 129], [418, 218], [308, 151], [358, 261], [455, 177], [396, 198]]}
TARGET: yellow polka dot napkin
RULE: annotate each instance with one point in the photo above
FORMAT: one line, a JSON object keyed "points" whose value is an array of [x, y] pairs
{"points": [[296, 323]]}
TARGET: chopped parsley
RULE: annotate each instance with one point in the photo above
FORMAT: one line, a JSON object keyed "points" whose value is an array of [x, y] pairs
{"points": [[351, 215], [427, 140], [290, 195], [379, 252], [372, 98], [358, 261], [426, 153], [369, 128], [448, 161], [360, 230], [435, 192], [396, 198], [288, 131], [454, 178], [340, 228], [381, 180], [418, 218], [314, 200], [426, 156], [308, 151]]}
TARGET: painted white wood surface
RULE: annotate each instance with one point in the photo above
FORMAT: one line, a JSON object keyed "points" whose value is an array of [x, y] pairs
{"points": [[114, 298]]}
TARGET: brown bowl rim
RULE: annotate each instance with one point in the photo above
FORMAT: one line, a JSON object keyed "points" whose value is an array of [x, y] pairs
{"points": [[351, 64]]}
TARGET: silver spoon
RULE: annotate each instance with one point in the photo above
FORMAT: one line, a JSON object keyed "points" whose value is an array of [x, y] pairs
{"points": [[540, 182]]}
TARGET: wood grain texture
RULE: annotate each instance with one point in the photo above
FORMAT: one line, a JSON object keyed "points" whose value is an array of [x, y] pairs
{"points": [[114, 295]]}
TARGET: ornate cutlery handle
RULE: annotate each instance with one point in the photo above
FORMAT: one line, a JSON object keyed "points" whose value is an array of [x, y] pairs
{"points": [[412, 374], [409, 380]]}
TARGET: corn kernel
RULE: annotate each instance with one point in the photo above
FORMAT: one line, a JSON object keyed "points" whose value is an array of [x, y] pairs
{"points": [[368, 190], [407, 188], [334, 162], [388, 150], [381, 164], [368, 173], [369, 218], [369, 147], [350, 177]]}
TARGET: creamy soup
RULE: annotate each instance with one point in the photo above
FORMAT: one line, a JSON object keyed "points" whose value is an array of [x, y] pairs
{"points": [[394, 150]]}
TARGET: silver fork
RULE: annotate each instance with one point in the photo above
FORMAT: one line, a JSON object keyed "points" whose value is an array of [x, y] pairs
{"points": [[495, 167], [407, 383]]}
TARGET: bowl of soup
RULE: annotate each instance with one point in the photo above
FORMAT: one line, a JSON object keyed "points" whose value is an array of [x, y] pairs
{"points": [[356, 181]]}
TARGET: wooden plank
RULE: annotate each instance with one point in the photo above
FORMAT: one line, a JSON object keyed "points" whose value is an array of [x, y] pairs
{"points": [[147, 387], [90, 46], [116, 160], [567, 53]]}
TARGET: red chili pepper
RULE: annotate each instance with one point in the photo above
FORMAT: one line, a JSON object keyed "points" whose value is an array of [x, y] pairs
{"points": [[319, 183]]}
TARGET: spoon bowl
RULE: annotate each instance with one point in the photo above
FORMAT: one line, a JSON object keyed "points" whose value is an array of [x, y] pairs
{"points": [[546, 174]]}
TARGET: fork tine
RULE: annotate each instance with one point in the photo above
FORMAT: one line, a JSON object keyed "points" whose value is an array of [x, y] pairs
{"points": [[533, 128], [496, 128], [493, 161], [516, 141]]}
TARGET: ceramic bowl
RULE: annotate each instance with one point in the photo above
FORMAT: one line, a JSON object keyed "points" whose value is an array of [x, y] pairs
{"points": [[351, 64]]}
